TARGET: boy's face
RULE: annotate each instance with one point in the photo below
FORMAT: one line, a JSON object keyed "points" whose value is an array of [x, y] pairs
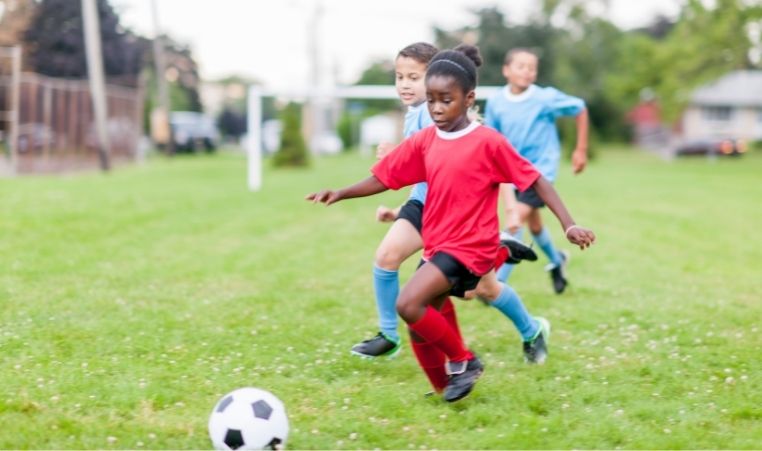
{"points": [[522, 71], [409, 80], [448, 104]]}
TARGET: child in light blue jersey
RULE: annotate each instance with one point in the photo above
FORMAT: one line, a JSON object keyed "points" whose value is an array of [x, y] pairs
{"points": [[526, 114], [403, 238]]}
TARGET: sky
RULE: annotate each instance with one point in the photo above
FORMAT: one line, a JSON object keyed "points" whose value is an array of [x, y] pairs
{"points": [[272, 41]]}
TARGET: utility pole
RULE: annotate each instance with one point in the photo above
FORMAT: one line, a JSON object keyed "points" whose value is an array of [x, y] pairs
{"points": [[97, 79], [317, 105], [12, 113], [162, 112]]}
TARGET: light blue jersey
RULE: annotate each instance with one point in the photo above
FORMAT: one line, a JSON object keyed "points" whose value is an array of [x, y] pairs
{"points": [[417, 118], [528, 120]]}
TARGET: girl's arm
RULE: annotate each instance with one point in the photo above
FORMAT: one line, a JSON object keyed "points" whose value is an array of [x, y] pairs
{"points": [[574, 233], [579, 156], [367, 187]]}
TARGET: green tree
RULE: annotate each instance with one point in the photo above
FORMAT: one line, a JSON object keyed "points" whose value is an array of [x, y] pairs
{"points": [[293, 151], [56, 40], [704, 44], [495, 37]]}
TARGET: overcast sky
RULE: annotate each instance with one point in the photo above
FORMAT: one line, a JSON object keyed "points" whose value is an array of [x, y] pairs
{"points": [[270, 40]]}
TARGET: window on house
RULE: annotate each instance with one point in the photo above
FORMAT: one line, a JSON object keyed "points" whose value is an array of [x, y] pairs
{"points": [[717, 113]]}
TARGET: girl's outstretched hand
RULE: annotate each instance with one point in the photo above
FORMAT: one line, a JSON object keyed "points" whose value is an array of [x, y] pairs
{"points": [[580, 236], [325, 196]]}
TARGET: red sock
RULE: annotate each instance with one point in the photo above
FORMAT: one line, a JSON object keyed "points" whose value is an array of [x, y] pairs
{"points": [[435, 329], [432, 362], [448, 311]]}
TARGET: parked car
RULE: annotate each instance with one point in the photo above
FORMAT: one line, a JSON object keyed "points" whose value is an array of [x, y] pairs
{"points": [[729, 147], [193, 131], [34, 137]]}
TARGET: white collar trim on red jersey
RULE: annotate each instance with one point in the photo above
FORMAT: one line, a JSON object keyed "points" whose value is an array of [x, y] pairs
{"points": [[460, 133], [519, 97]]}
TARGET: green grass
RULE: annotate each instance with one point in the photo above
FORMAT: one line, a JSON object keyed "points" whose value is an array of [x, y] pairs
{"points": [[130, 302]]}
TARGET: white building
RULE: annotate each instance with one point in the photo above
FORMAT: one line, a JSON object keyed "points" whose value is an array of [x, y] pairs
{"points": [[730, 107]]}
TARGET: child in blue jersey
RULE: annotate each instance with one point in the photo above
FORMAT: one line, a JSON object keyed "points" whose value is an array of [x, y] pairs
{"points": [[526, 114], [404, 239]]}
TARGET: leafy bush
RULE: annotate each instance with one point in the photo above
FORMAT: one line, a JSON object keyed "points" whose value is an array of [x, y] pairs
{"points": [[293, 150]]}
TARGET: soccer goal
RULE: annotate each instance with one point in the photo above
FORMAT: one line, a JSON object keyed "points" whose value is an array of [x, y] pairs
{"points": [[254, 149]]}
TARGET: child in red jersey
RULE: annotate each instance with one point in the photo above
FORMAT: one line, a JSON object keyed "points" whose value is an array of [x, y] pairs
{"points": [[463, 164]]}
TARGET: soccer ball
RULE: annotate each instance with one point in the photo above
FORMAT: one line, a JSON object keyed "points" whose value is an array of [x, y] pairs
{"points": [[248, 418]]}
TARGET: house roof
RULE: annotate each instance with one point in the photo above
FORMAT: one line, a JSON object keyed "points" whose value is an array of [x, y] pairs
{"points": [[738, 88]]}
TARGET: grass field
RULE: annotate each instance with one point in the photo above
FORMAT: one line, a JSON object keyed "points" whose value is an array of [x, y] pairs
{"points": [[131, 302]]}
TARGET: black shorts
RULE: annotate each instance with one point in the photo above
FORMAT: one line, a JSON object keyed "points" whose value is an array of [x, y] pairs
{"points": [[412, 211], [460, 277], [530, 197]]}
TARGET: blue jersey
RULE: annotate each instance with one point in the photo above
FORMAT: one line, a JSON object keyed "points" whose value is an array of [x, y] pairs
{"points": [[417, 118], [528, 120]]}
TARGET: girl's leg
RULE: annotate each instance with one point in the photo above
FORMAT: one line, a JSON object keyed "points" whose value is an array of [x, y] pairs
{"points": [[448, 311], [431, 360], [400, 242], [507, 301], [542, 237], [427, 285], [534, 331], [557, 259], [524, 210], [506, 269]]}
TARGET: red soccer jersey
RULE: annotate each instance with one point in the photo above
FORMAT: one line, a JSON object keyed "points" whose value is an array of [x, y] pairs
{"points": [[464, 170]]}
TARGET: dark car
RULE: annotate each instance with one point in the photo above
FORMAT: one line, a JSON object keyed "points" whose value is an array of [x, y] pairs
{"points": [[193, 131], [728, 147]]}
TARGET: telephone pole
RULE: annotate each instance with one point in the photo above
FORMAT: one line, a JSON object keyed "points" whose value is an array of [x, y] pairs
{"points": [[162, 116], [97, 79]]}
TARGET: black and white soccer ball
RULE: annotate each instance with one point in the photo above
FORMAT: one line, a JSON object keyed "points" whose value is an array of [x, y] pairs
{"points": [[248, 418]]}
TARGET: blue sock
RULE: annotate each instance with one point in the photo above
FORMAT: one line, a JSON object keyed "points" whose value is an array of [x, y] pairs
{"points": [[505, 270], [509, 303], [546, 244], [387, 286]]}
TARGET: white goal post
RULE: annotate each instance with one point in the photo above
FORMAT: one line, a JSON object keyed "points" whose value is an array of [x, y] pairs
{"points": [[254, 106]]}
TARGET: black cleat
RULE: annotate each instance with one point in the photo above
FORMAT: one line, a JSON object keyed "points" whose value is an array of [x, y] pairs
{"points": [[463, 377], [558, 273], [536, 349], [378, 346], [517, 250]]}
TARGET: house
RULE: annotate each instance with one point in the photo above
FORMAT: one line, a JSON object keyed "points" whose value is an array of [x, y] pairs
{"points": [[730, 107]]}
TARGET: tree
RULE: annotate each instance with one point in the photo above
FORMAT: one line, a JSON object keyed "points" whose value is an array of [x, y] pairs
{"points": [[379, 73], [704, 44], [57, 46], [495, 37], [293, 151]]}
